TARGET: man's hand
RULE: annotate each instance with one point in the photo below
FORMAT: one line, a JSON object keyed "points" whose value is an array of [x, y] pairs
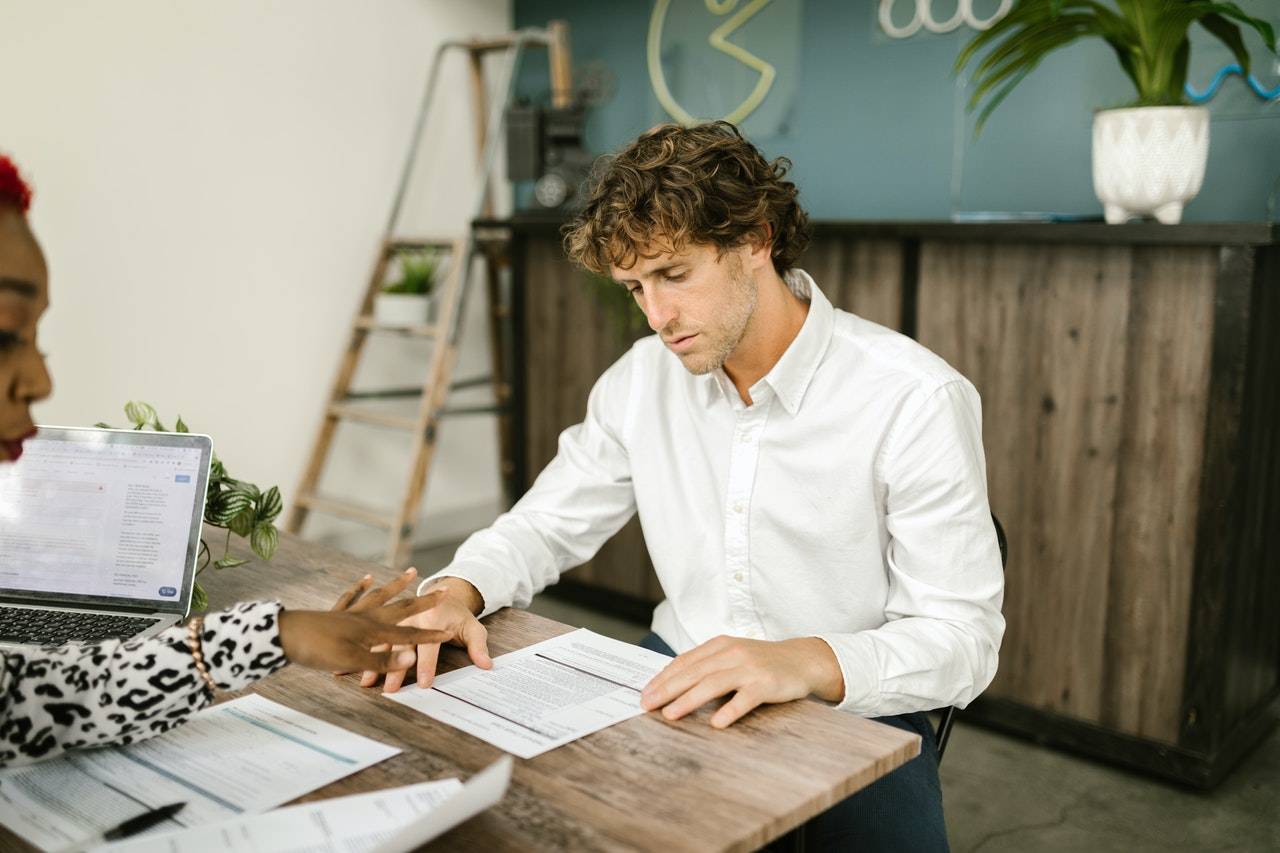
{"points": [[341, 639], [455, 617], [755, 671]]}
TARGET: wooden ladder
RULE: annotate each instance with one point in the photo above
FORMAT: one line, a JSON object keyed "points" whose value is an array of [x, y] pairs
{"points": [[347, 405]]}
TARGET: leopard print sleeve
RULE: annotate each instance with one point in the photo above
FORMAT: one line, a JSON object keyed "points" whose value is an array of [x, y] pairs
{"points": [[117, 692]]}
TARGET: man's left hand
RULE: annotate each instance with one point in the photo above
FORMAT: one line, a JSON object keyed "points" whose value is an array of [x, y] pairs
{"points": [[756, 672]]}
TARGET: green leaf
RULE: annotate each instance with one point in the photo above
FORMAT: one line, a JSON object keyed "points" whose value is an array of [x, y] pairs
{"points": [[1175, 92], [229, 562], [1229, 34], [1148, 37], [242, 524], [199, 598], [101, 425], [249, 489], [270, 506], [226, 507], [265, 540], [998, 99], [139, 414], [180, 426], [1234, 12]]}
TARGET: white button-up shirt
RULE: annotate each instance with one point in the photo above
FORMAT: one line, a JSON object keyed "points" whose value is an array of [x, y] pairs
{"points": [[848, 502]]}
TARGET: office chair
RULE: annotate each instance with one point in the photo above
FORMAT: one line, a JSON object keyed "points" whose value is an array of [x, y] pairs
{"points": [[943, 732]]}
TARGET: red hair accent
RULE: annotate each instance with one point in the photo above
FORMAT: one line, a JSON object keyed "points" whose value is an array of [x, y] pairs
{"points": [[13, 190]]}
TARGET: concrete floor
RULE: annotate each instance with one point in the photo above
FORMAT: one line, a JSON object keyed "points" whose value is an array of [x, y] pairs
{"points": [[1006, 795]]}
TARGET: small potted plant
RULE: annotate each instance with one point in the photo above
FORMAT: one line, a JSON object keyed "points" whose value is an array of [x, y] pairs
{"points": [[409, 300], [1148, 156]]}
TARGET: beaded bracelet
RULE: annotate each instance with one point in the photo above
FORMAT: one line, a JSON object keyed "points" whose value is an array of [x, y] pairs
{"points": [[194, 628]]}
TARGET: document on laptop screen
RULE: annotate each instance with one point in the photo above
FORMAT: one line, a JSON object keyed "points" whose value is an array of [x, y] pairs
{"points": [[544, 695], [241, 757], [99, 519]]}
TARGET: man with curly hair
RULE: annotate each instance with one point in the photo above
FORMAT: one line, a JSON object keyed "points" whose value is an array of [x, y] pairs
{"points": [[812, 486]]}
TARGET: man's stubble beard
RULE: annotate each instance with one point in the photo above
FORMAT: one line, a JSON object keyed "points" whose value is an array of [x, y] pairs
{"points": [[734, 328]]}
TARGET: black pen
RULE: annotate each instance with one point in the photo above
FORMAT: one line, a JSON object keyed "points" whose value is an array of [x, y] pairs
{"points": [[146, 820]]}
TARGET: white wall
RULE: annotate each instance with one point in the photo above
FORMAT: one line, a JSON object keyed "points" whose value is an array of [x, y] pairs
{"points": [[211, 183]]}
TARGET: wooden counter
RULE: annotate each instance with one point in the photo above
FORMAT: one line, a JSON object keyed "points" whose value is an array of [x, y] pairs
{"points": [[1129, 377]]}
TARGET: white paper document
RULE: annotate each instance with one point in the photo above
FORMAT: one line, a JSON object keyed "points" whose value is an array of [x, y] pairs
{"points": [[482, 790], [390, 821], [354, 824], [241, 757], [544, 695]]}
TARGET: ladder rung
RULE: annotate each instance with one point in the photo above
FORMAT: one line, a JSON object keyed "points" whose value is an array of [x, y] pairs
{"points": [[385, 394], [490, 45], [368, 416], [345, 509], [411, 243], [473, 410], [472, 382], [369, 324], [416, 391]]}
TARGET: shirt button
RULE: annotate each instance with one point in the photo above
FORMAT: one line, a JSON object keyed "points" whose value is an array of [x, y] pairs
{"points": [[737, 507], [745, 437], [737, 576]]}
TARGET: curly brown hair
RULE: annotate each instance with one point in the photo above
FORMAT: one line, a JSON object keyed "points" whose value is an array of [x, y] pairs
{"points": [[679, 185]]}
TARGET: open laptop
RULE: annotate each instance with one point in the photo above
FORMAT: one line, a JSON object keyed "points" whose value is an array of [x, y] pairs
{"points": [[99, 534]]}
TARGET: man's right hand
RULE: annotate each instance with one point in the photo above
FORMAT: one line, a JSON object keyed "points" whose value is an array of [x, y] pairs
{"points": [[455, 615]]}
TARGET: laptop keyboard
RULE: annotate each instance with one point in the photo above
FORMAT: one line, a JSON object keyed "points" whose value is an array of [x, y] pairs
{"points": [[53, 627]]}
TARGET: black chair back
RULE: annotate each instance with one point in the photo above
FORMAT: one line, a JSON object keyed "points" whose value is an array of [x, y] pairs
{"points": [[943, 733]]}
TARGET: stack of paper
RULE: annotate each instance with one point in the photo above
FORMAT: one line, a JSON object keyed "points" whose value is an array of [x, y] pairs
{"points": [[241, 757], [544, 695], [390, 821]]}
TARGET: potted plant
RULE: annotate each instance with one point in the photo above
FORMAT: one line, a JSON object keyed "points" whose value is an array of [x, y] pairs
{"points": [[237, 506], [408, 301], [1148, 156]]}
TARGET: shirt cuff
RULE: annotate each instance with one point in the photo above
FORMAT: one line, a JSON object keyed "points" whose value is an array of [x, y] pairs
{"points": [[242, 644], [856, 654], [490, 582]]}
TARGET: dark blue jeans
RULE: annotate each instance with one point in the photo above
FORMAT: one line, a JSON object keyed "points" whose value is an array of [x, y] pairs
{"points": [[899, 812]]}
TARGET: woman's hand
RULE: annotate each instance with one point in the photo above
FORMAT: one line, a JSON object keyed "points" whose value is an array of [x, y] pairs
{"points": [[342, 638]]}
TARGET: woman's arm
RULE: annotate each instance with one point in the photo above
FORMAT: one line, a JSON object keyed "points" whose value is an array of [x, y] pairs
{"points": [[121, 691]]}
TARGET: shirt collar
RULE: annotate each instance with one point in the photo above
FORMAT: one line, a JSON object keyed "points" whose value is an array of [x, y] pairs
{"points": [[790, 377]]}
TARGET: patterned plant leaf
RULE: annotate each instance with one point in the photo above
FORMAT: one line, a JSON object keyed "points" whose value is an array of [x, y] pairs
{"points": [[270, 505], [139, 414], [227, 506], [265, 540], [199, 598], [242, 524]]}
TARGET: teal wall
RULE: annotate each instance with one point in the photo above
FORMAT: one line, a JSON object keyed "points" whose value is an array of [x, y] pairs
{"points": [[874, 125]]}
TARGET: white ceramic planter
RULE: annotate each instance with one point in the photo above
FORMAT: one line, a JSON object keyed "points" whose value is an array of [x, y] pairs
{"points": [[403, 309], [1149, 161]]}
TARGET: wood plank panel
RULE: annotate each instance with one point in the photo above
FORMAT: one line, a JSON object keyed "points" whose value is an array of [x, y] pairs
{"points": [[1252, 668], [1041, 332], [1152, 561], [1233, 655], [573, 336], [861, 276]]}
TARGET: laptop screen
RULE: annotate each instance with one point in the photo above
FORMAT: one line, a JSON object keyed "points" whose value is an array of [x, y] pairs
{"points": [[103, 516]]}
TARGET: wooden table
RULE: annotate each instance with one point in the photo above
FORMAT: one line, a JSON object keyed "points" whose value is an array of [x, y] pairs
{"points": [[645, 784]]}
